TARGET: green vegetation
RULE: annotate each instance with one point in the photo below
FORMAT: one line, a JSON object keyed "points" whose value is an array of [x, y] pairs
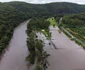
{"points": [[13, 13], [39, 24], [38, 67], [9, 19], [52, 21], [35, 45], [75, 25], [31, 44], [47, 10]]}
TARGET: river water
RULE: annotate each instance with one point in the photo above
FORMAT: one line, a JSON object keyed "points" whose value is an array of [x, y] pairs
{"points": [[14, 57], [68, 56]]}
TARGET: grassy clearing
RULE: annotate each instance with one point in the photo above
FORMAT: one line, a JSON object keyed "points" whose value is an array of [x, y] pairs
{"points": [[52, 21]]}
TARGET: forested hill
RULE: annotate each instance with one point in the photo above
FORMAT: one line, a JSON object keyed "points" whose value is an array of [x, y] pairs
{"points": [[9, 19], [47, 9]]}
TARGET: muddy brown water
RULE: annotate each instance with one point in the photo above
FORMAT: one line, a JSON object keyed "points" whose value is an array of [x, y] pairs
{"points": [[68, 56], [15, 55]]}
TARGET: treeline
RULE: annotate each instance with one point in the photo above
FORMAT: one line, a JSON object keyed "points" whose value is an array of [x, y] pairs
{"points": [[74, 21], [9, 19], [75, 24], [37, 24], [47, 10], [35, 46]]}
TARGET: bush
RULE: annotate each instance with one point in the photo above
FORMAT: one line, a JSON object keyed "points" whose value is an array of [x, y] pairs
{"points": [[31, 58], [38, 67]]}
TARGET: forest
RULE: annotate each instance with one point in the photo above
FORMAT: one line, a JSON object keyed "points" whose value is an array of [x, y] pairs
{"points": [[9, 19], [47, 10]]}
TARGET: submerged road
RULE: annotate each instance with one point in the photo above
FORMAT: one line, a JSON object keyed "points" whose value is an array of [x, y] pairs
{"points": [[15, 55], [68, 56]]}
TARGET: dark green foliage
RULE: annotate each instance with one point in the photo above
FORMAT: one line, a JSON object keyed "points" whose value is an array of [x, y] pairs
{"points": [[9, 19], [74, 21], [75, 24], [38, 67], [31, 47], [37, 24], [46, 10], [35, 46]]}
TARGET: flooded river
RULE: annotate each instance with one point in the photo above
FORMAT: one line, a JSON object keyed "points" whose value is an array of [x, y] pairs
{"points": [[14, 57], [68, 56]]}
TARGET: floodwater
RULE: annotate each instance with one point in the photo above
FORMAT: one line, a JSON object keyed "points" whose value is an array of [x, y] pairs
{"points": [[68, 56], [14, 57]]}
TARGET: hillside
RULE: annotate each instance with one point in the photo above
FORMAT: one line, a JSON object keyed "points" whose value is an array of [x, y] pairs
{"points": [[49, 9], [9, 19]]}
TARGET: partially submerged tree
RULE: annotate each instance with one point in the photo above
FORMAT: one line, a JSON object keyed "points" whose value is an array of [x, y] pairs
{"points": [[35, 45]]}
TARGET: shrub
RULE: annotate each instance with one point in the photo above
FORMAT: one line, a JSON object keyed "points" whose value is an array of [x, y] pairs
{"points": [[38, 67]]}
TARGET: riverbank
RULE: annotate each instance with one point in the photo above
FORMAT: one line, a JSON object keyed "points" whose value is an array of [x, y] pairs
{"points": [[73, 37], [15, 55]]}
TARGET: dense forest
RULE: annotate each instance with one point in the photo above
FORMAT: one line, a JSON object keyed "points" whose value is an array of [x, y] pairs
{"points": [[76, 22], [13, 13], [50, 9], [9, 19]]}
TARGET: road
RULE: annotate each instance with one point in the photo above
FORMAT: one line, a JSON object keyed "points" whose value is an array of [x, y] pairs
{"points": [[68, 56], [73, 36]]}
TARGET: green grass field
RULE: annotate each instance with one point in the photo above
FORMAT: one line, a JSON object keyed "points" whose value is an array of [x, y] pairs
{"points": [[52, 21]]}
